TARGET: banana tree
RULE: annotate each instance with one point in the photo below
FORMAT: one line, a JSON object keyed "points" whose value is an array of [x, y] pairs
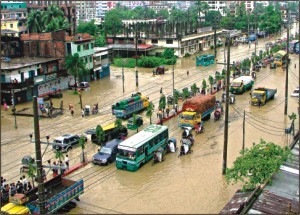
{"points": [[82, 142], [211, 82], [100, 134], [194, 89], [32, 171], [149, 111]]}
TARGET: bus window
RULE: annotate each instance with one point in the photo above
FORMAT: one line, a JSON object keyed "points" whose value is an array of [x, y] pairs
{"points": [[152, 143], [140, 151]]}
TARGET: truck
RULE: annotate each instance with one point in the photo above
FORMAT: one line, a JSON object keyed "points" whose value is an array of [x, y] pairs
{"points": [[58, 195], [196, 109], [241, 84], [127, 107], [261, 95]]}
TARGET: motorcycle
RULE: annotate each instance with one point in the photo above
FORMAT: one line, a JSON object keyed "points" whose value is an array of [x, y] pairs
{"points": [[171, 145], [218, 113], [187, 134], [185, 147]]}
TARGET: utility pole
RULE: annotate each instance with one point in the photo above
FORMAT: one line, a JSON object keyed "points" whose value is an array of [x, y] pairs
{"points": [[38, 157], [136, 59], [123, 78], [215, 37], [248, 29], [287, 63], [255, 31], [13, 102], [80, 99], [244, 131], [173, 85], [226, 108]]}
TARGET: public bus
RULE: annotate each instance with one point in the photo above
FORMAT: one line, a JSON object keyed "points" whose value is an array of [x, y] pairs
{"points": [[205, 60], [294, 46], [280, 58], [138, 149]]}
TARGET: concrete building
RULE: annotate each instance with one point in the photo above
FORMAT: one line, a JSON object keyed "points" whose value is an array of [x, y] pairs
{"points": [[101, 62], [86, 10], [101, 8], [217, 6]]}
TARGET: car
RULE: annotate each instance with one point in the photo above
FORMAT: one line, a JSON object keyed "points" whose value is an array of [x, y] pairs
{"points": [[108, 153], [84, 85], [88, 133], [65, 142], [295, 93], [110, 132], [139, 122]]}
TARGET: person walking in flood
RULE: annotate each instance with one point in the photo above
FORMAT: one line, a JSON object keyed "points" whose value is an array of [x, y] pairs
{"points": [[167, 111], [5, 106], [72, 111], [187, 73]]}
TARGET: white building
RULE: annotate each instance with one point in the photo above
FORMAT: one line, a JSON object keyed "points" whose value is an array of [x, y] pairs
{"points": [[217, 6], [85, 10]]}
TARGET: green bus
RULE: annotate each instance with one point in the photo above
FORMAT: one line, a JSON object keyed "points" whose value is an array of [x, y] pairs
{"points": [[138, 149]]}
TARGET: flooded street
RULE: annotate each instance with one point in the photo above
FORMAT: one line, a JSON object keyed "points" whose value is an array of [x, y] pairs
{"points": [[190, 184]]}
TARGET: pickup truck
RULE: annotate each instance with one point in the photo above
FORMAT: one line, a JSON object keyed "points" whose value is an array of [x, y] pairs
{"points": [[262, 95], [58, 195]]}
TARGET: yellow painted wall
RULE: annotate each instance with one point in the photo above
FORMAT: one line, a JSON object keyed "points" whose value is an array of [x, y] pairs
{"points": [[10, 25]]}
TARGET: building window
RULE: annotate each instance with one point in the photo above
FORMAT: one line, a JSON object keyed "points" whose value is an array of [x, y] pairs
{"points": [[92, 45], [154, 41], [78, 48], [169, 41], [11, 25], [86, 59]]}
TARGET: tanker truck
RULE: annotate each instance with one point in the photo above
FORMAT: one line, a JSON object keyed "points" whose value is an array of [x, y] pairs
{"points": [[127, 107], [196, 109]]}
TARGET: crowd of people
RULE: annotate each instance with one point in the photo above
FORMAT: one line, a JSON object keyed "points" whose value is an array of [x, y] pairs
{"points": [[10, 189]]}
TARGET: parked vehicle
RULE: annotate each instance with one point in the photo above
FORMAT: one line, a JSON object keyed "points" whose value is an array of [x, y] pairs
{"points": [[59, 191], [159, 70], [295, 93], [108, 153], [261, 96], [196, 109], [252, 37], [66, 142], [138, 149], [139, 122], [205, 60], [241, 84], [280, 58], [127, 107], [84, 85], [110, 132]]}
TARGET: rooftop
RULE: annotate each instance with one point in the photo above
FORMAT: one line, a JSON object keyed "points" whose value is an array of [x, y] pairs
{"points": [[16, 63]]}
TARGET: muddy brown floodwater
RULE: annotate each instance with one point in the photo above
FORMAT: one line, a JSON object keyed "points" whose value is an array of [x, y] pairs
{"points": [[189, 184]]}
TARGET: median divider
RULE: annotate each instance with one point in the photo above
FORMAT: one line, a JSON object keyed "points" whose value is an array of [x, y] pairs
{"points": [[76, 167]]}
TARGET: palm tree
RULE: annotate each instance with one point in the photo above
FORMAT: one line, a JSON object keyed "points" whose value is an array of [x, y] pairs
{"points": [[51, 14], [150, 110], [100, 134], [82, 145], [185, 93], [162, 103], [176, 96], [118, 124], [63, 23], [211, 82], [194, 89], [32, 171], [204, 85], [59, 155], [76, 67], [34, 22], [134, 121]]}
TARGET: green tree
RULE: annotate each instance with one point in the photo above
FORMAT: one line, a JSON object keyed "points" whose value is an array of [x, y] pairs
{"points": [[34, 21], [256, 165], [176, 96], [211, 82], [62, 23], [293, 117], [100, 41], [194, 89], [82, 146], [118, 123], [32, 171], [100, 134], [76, 67], [113, 22], [149, 111], [185, 93], [51, 14], [204, 85], [59, 155], [163, 13], [134, 121], [162, 103], [168, 53], [87, 27]]}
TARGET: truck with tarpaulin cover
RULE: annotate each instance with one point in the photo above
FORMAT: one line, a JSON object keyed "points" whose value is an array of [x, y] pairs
{"points": [[196, 109], [127, 107], [58, 193], [262, 95]]}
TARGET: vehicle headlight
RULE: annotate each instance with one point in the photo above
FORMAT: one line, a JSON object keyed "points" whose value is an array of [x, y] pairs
{"points": [[104, 160], [93, 158]]}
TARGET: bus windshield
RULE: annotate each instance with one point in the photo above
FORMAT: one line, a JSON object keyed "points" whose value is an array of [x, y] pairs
{"points": [[236, 84], [126, 154]]}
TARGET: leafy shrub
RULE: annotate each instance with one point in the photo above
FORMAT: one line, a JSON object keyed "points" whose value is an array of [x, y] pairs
{"points": [[187, 54]]}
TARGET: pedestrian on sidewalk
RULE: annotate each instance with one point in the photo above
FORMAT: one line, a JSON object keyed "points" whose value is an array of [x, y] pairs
{"points": [[67, 161], [168, 111]]}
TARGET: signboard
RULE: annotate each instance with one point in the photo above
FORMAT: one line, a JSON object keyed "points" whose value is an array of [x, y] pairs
{"points": [[51, 77], [39, 79]]}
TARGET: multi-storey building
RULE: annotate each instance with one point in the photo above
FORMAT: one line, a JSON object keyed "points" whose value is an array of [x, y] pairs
{"points": [[101, 8], [86, 10], [133, 4], [13, 18], [217, 6]]}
